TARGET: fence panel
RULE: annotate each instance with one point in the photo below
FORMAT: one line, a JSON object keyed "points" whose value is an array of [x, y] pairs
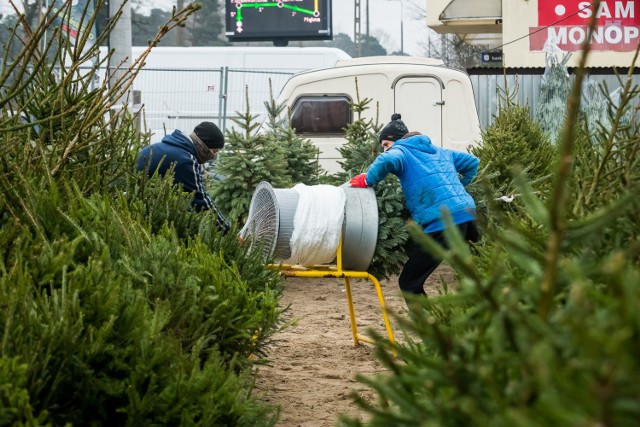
{"points": [[182, 98], [489, 91], [179, 98], [525, 89], [256, 83]]}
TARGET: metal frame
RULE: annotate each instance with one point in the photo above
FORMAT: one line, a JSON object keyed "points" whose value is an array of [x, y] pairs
{"points": [[324, 271]]}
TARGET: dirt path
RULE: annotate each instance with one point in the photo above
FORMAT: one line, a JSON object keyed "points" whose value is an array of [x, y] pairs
{"points": [[314, 362]]}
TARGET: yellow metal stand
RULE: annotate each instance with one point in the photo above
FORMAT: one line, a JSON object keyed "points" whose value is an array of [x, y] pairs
{"points": [[337, 272]]}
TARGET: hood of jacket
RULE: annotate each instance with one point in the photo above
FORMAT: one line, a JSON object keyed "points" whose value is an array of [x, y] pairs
{"points": [[416, 142], [180, 140], [430, 180]]}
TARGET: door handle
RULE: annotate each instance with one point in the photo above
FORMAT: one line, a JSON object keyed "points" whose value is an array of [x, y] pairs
{"points": [[439, 103]]}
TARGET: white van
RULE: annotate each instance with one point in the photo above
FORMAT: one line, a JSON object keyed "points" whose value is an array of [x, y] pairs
{"points": [[252, 57], [432, 99]]}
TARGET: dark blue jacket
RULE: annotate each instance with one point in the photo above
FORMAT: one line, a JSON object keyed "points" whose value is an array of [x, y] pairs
{"points": [[432, 178], [177, 149]]}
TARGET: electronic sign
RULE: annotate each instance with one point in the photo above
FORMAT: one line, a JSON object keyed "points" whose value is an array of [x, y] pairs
{"points": [[278, 21]]}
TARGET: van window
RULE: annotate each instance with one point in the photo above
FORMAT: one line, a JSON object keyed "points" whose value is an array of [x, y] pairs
{"points": [[321, 115]]}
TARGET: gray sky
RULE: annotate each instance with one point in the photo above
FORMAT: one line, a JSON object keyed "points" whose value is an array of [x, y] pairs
{"points": [[384, 22], [384, 16]]}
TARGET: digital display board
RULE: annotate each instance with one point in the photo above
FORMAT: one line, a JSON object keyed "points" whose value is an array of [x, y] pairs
{"points": [[278, 21]]}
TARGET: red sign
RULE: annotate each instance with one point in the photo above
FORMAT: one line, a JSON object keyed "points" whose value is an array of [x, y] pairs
{"points": [[612, 37], [566, 21], [579, 12]]}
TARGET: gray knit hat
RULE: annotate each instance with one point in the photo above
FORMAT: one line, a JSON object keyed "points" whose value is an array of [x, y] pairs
{"points": [[394, 130], [210, 134]]}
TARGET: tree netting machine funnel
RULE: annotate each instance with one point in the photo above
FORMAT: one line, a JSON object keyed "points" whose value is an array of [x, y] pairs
{"points": [[318, 231]]}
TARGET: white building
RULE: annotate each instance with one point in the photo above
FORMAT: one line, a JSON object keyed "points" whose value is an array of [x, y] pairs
{"points": [[519, 28]]}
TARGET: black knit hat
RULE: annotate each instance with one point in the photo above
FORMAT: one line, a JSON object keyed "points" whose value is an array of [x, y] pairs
{"points": [[394, 130], [210, 134]]}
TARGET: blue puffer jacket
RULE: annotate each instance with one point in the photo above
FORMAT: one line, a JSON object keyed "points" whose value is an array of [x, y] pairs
{"points": [[432, 178], [178, 149]]}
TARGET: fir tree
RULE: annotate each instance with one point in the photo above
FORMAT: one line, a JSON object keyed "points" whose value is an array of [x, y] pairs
{"points": [[594, 106], [144, 27], [513, 142], [248, 159], [362, 146], [543, 330], [120, 306], [606, 166], [360, 150], [302, 156], [206, 28], [554, 91]]}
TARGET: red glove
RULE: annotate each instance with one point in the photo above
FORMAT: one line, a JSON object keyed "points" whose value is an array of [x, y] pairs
{"points": [[359, 181]]}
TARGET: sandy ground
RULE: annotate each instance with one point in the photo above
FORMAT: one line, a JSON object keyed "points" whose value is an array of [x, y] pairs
{"points": [[313, 362]]}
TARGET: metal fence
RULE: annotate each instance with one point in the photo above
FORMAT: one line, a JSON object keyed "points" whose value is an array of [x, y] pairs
{"points": [[182, 98], [258, 86], [525, 89]]}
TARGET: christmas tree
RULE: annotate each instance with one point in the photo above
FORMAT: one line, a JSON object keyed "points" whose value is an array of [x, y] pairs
{"points": [[249, 157], [594, 106], [554, 91], [302, 155], [360, 150], [543, 328], [513, 142]]}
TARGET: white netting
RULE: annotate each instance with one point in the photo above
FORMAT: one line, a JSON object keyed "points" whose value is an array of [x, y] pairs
{"points": [[554, 90], [317, 224], [553, 54], [301, 225]]}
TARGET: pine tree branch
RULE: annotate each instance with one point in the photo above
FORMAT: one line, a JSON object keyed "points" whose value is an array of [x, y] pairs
{"points": [[625, 98], [557, 209]]}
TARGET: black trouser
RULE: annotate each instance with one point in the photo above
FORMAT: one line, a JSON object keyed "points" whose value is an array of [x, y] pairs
{"points": [[421, 264]]}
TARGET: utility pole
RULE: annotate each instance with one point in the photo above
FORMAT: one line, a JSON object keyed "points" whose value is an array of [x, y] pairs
{"points": [[402, 27], [120, 43], [356, 28], [366, 42], [367, 18]]}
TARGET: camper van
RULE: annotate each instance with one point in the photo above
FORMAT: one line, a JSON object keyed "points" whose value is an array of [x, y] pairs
{"points": [[432, 99], [179, 87]]}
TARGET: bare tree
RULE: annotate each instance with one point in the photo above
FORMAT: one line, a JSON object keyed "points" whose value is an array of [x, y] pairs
{"points": [[454, 51]]}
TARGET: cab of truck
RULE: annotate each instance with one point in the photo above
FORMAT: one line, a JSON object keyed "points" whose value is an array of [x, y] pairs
{"points": [[432, 99]]}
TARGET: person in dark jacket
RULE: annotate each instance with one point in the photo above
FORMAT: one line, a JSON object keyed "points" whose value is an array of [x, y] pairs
{"points": [[187, 154], [433, 179]]}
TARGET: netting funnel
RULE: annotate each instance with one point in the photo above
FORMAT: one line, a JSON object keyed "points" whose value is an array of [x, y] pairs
{"points": [[270, 221], [272, 213]]}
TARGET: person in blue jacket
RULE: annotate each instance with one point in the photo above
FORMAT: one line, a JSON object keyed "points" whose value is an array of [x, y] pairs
{"points": [[187, 154], [433, 180]]}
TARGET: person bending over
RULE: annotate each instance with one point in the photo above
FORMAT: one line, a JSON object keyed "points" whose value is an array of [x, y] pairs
{"points": [[187, 154], [433, 179]]}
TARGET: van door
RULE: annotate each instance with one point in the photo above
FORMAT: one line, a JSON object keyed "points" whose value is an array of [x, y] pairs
{"points": [[419, 100]]}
